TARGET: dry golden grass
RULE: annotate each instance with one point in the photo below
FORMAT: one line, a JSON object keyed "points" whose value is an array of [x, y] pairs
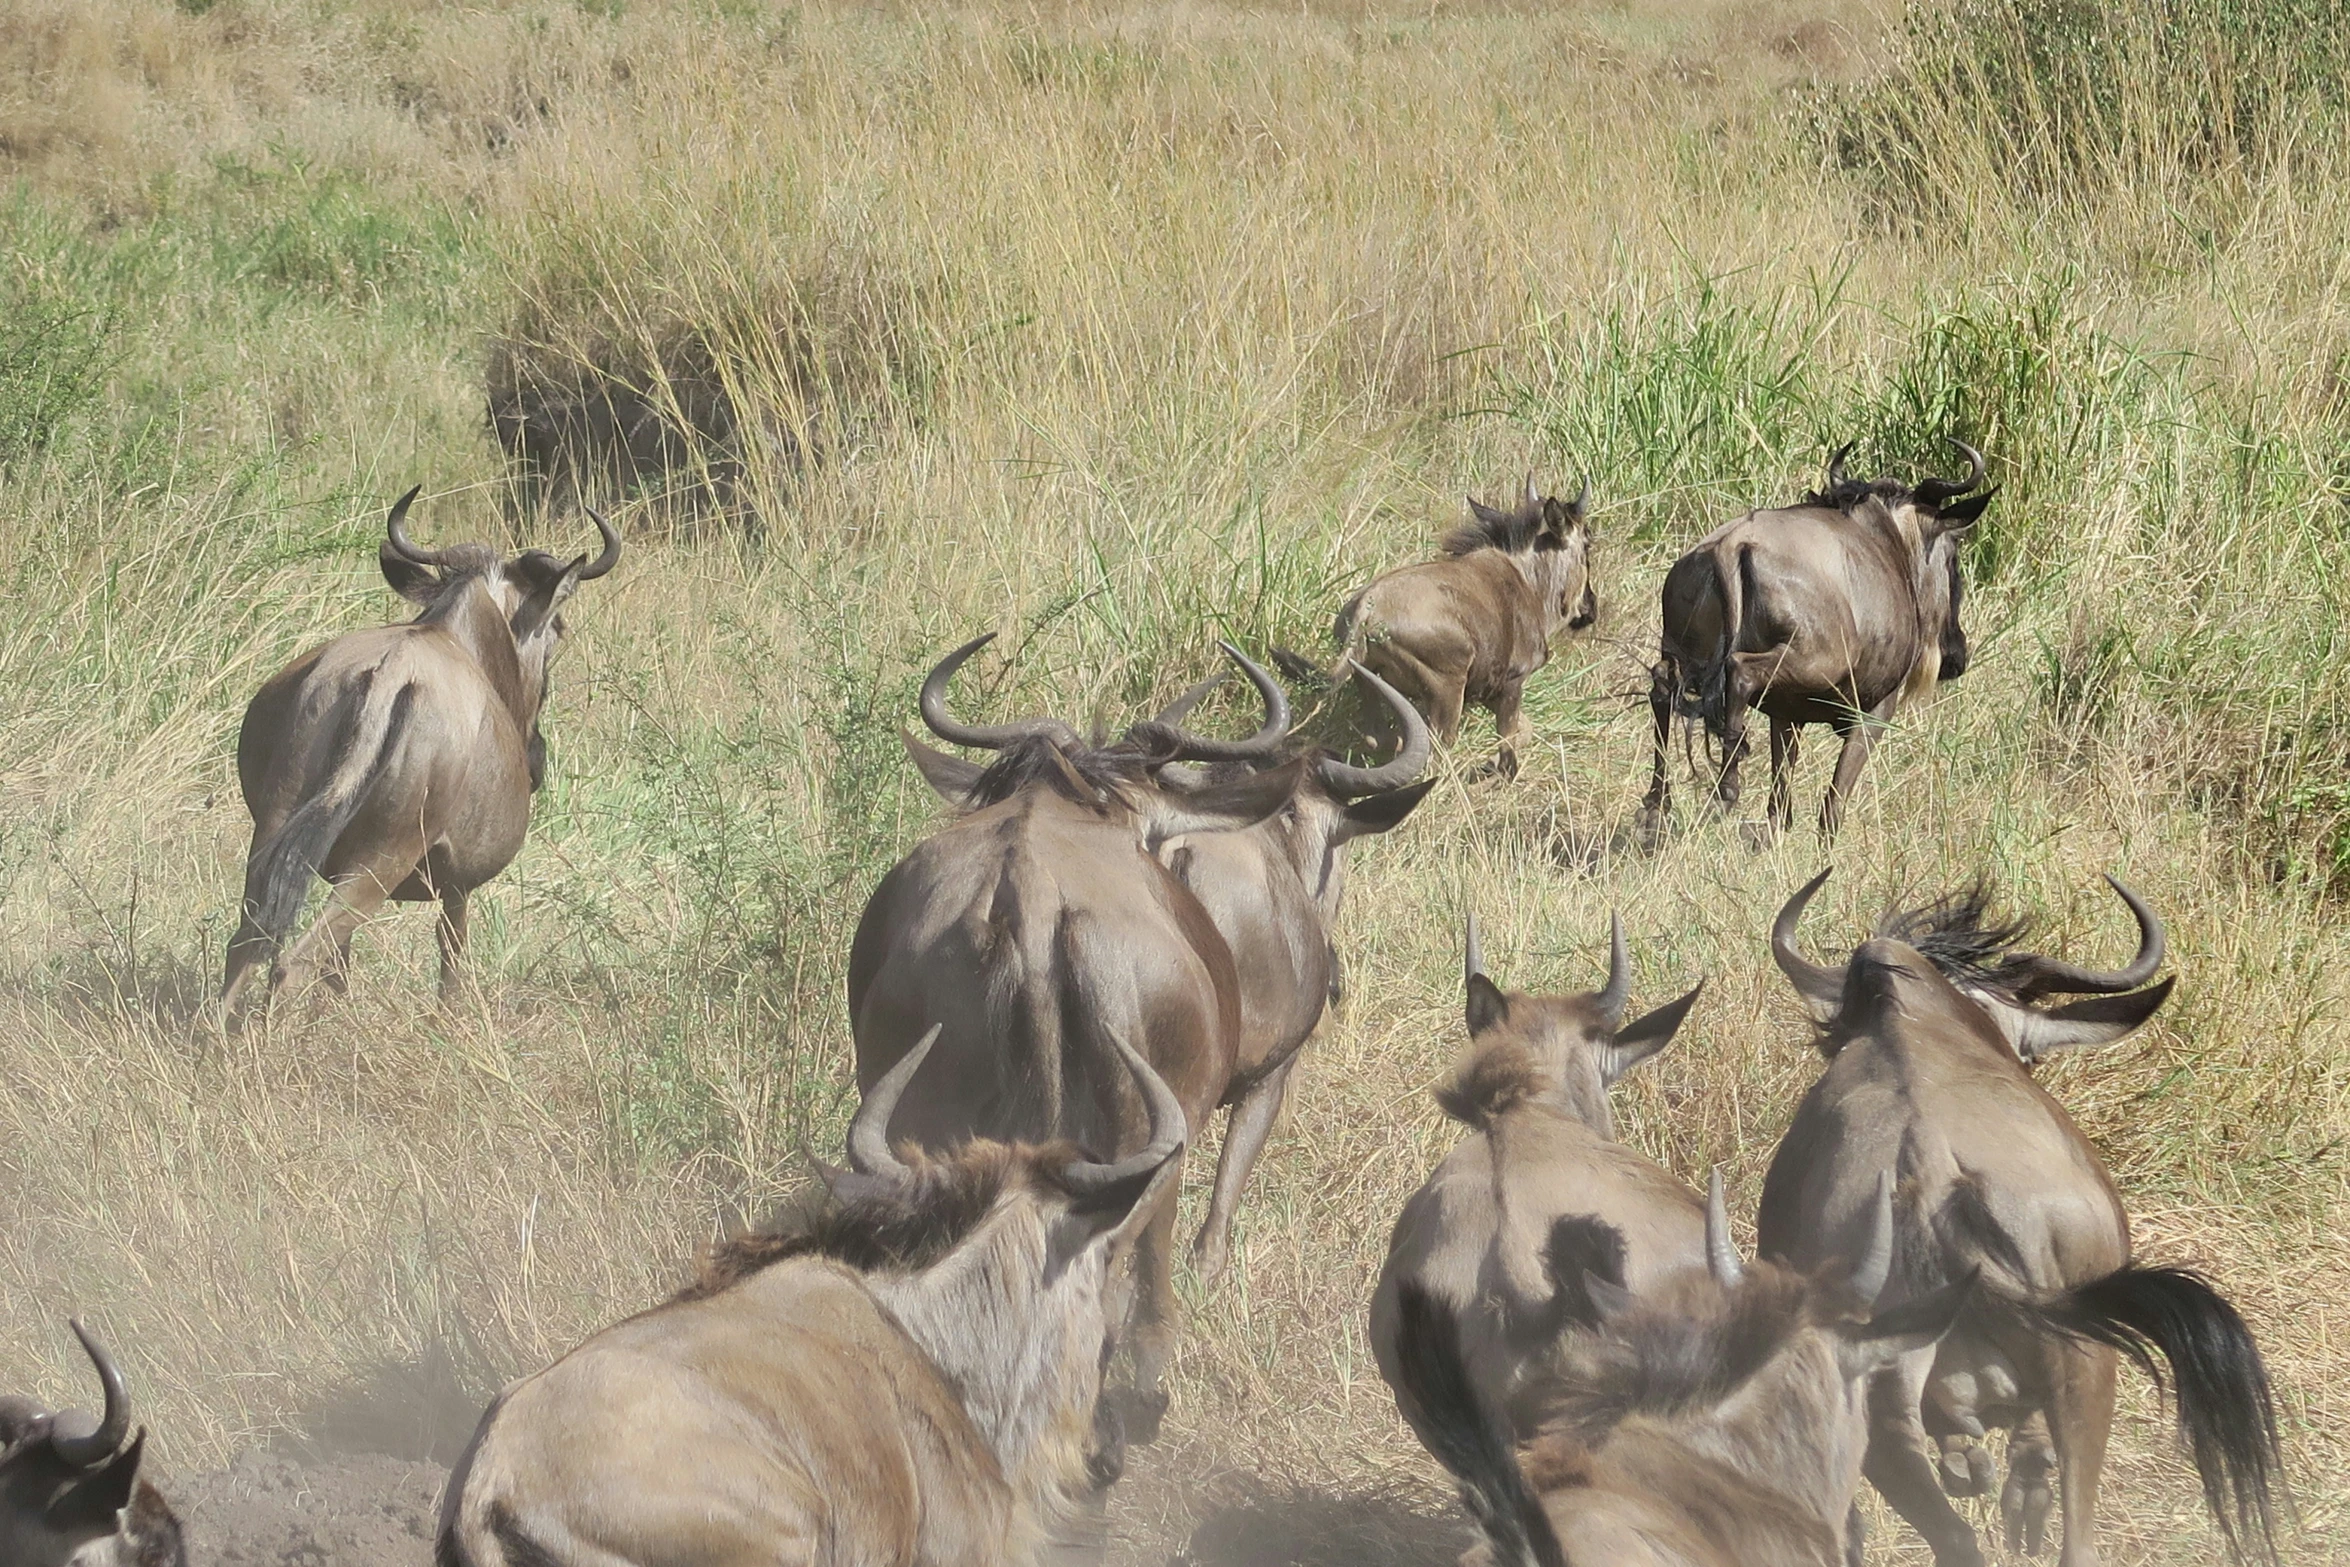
{"points": [[1118, 328]]}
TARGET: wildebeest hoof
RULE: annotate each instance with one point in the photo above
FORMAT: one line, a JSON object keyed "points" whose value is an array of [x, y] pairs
{"points": [[1967, 1469], [1208, 1259], [1758, 835], [2025, 1505]]}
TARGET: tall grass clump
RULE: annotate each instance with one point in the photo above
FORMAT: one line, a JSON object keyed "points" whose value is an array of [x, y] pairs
{"points": [[2010, 107]]}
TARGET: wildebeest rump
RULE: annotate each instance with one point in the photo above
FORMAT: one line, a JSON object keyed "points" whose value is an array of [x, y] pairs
{"points": [[1833, 611], [910, 1378], [70, 1492], [1714, 1422], [399, 762], [1929, 1031], [1542, 1170], [1471, 625], [1038, 927]]}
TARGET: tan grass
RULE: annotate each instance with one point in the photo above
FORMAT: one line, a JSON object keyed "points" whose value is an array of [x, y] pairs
{"points": [[1117, 328]]}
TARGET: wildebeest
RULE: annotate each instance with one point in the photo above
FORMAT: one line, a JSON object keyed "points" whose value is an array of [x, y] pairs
{"points": [[1039, 926], [911, 1377], [1273, 892], [70, 1492], [399, 762], [1833, 611], [1930, 1031], [1542, 1169], [1716, 1421], [1471, 625]]}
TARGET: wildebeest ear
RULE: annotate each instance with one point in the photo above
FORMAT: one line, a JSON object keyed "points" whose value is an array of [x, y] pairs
{"points": [[1912, 1325], [92, 1502], [1114, 1212], [1484, 513], [1378, 812], [1643, 1037], [1608, 1298], [417, 584], [545, 597], [1954, 518], [1487, 1005], [1224, 807], [950, 777], [850, 1186], [2040, 1032]]}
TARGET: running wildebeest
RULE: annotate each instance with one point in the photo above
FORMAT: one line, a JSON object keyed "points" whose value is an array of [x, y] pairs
{"points": [[70, 1492], [399, 762], [1038, 927], [1717, 1421], [912, 1377], [1930, 1031], [1471, 625], [1542, 1164], [1273, 891], [1833, 611]]}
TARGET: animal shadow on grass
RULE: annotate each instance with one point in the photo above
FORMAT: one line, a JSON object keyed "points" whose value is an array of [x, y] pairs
{"points": [[1248, 1523]]}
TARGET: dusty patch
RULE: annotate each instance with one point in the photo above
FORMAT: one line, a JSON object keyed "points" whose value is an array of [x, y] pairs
{"points": [[268, 1510]]}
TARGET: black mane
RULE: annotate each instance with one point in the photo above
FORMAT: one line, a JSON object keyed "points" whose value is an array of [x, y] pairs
{"points": [[1852, 492], [1097, 776], [1957, 934], [1494, 529]]}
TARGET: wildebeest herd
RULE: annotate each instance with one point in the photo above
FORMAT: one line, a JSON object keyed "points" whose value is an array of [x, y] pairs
{"points": [[943, 1357]]}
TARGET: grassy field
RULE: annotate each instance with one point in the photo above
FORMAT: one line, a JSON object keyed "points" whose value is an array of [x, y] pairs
{"points": [[1118, 329]]}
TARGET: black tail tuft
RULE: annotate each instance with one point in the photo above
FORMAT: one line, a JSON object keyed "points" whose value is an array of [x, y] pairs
{"points": [[1465, 1438], [2216, 1377]]}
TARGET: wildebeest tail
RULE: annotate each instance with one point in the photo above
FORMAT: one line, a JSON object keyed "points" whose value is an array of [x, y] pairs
{"points": [[365, 733], [1342, 630], [1733, 574], [1466, 1439], [2216, 1378]]}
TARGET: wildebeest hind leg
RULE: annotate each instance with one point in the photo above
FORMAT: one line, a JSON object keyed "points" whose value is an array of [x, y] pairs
{"points": [[1786, 746], [449, 934], [1661, 682], [2025, 1499], [358, 892], [1900, 1465], [1245, 1131], [1150, 1326], [1510, 727], [1855, 756], [2080, 1420]]}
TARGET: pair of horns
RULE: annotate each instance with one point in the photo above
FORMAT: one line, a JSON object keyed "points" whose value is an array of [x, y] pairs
{"points": [[1929, 492], [2034, 1033], [1870, 1268], [1609, 998], [994, 737], [1340, 778], [871, 1154], [1578, 505], [396, 531]]}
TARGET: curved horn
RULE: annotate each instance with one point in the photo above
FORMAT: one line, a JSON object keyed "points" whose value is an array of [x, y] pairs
{"points": [[611, 555], [1721, 1252], [1933, 492], [1836, 466], [1874, 1265], [88, 1452], [396, 531], [2049, 975], [1402, 768], [1262, 745], [1822, 989], [1582, 500], [1533, 495], [869, 1150], [1473, 953], [986, 737], [1168, 1130], [1611, 997]]}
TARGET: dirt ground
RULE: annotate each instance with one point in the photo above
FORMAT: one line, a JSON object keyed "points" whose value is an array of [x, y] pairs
{"points": [[269, 1509]]}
